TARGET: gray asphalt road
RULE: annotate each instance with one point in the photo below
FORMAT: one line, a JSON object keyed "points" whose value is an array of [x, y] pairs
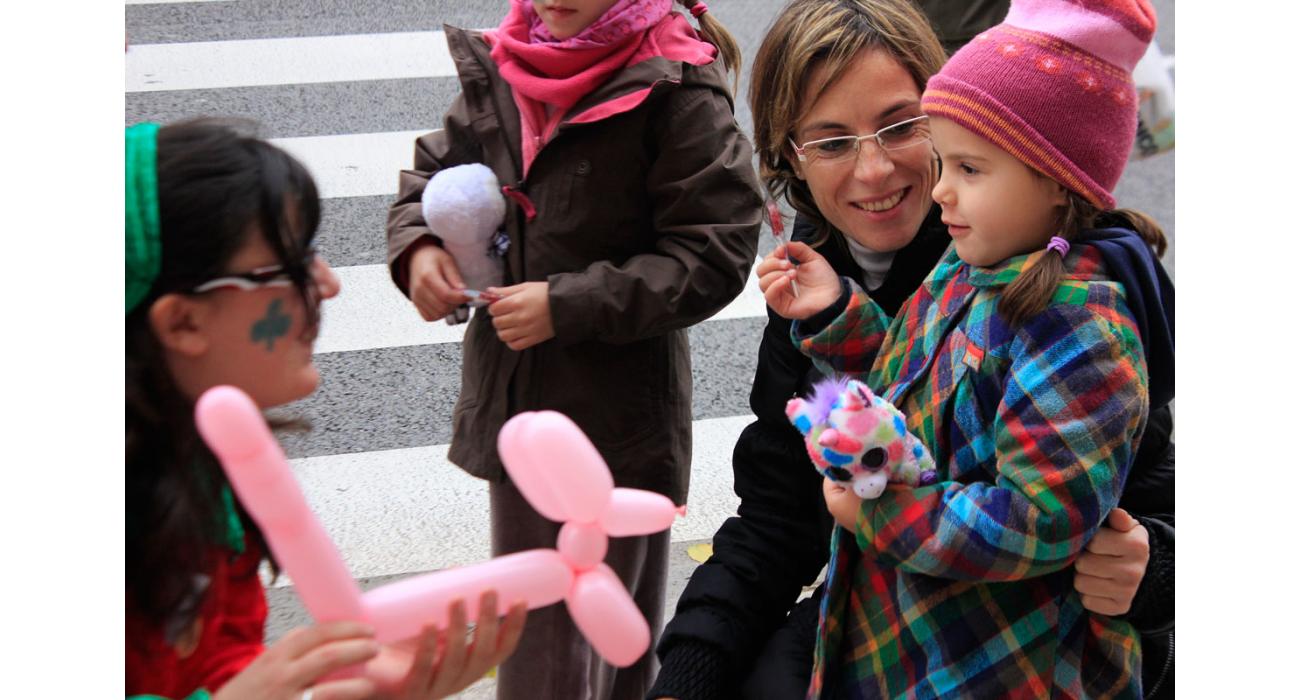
{"points": [[381, 403]]}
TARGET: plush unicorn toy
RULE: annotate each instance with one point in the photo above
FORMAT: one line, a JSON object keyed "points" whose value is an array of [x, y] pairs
{"points": [[853, 435], [465, 208]]}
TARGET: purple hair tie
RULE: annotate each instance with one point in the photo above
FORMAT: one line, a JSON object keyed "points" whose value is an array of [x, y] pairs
{"points": [[698, 9], [1059, 245]]}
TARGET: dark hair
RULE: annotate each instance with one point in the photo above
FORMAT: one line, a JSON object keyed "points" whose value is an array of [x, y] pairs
{"points": [[1033, 288], [217, 184]]}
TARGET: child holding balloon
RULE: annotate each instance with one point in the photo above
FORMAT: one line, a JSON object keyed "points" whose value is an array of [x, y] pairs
{"points": [[634, 213], [223, 286]]}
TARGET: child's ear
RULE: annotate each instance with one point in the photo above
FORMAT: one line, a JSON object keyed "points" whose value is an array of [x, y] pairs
{"points": [[178, 323], [1059, 195]]}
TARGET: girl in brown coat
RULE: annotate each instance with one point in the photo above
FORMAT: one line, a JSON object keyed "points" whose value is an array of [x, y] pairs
{"points": [[635, 215]]}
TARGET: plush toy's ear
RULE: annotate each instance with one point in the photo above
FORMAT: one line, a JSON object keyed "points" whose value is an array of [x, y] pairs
{"points": [[797, 411], [851, 401], [863, 391]]}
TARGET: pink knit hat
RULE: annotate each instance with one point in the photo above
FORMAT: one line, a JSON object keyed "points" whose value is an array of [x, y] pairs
{"points": [[1053, 86]]}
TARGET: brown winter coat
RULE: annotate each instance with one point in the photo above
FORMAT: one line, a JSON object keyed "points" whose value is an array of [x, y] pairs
{"points": [[647, 223]]}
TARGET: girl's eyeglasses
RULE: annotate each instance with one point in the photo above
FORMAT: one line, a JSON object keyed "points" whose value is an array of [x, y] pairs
{"points": [[909, 132], [257, 278]]}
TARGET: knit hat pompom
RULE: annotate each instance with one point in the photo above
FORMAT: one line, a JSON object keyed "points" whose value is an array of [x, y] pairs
{"points": [[1053, 86]]}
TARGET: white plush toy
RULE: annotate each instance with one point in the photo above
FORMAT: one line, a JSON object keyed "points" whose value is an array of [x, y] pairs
{"points": [[465, 208]]}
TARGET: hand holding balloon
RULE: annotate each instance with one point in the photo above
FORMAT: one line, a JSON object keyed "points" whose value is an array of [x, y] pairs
{"points": [[441, 662], [554, 465]]}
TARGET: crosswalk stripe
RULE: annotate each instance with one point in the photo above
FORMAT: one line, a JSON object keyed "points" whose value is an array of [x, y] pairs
{"points": [[395, 512], [354, 165], [287, 61], [410, 510], [370, 313]]}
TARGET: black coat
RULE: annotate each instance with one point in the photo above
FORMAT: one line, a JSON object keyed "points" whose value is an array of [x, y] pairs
{"points": [[780, 540]]}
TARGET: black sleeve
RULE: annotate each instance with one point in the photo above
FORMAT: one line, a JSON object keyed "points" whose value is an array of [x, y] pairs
{"points": [[1153, 605], [1149, 497], [762, 558]]}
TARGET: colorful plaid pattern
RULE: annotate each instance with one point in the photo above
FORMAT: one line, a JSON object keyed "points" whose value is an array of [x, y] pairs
{"points": [[964, 587]]}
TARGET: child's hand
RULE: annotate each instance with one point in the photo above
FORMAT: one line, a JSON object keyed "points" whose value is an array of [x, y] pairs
{"points": [[819, 286], [842, 503], [523, 316], [434, 282], [293, 665], [441, 663], [1107, 574]]}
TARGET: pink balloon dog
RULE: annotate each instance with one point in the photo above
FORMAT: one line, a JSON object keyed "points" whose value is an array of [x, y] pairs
{"points": [[547, 456]]}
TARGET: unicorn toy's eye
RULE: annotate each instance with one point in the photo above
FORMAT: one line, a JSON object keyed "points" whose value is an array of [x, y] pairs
{"points": [[874, 458], [839, 473]]}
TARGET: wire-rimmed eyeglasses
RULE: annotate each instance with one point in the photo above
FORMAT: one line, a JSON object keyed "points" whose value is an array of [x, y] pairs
{"points": [[909, 132]]}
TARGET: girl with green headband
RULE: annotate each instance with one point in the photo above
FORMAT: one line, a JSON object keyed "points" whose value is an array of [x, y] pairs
{"points": [[223, 286]]}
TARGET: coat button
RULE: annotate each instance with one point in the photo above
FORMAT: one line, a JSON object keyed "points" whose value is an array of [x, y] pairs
{"points": [[584, 167]]}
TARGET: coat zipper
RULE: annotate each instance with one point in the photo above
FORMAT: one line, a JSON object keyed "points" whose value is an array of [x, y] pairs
{"points": [[1164, 671]]}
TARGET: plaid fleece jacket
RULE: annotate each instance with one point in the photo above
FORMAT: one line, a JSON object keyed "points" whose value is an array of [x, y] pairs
{"points": [[964, 588]]}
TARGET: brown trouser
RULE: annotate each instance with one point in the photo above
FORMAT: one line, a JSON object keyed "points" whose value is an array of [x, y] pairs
{"points": [[553, 660]]}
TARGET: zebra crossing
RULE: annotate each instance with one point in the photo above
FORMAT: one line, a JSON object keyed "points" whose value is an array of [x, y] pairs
{"points": [[346, 87], [374, 463]]}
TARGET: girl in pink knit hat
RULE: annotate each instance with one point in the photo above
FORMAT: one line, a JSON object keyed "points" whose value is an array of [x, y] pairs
{"points": [[1021, 363]]}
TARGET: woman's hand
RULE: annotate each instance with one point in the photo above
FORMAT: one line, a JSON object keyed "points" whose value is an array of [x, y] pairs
{"points": [[523, 316], [445, 662], [294, 665], [434, 282], [842, 503], [1107, 574], [818, 285]]}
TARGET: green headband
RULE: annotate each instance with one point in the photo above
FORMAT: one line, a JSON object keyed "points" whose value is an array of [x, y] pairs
{"points": [[143, 243]]}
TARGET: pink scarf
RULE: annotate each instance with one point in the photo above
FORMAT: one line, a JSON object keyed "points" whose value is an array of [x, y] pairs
{"points": [[548, 76]]}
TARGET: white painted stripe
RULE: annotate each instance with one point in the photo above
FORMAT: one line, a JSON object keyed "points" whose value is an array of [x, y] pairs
{"points": [[410, 510], [287, 61], [355, 165], [370, 313]]}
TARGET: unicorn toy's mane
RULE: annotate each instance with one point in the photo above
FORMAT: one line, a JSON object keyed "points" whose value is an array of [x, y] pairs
{"points": [[824, 395]]}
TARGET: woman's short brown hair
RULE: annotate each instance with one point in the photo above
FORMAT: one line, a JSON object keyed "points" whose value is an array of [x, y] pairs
{"points": [[809, 34]]}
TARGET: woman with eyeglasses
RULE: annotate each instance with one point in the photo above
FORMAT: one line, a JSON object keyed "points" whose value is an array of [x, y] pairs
{"points": [[223, 286], [836, 102]]}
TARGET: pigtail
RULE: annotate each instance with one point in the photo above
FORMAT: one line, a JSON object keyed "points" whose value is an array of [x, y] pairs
{"points": [[1145, 226], [1032, 290], [715, 33]]}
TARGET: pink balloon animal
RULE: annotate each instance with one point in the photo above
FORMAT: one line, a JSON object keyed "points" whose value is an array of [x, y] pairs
{"points": [[548, 457]]}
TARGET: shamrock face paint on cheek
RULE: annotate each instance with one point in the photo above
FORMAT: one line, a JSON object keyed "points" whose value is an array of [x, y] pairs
{"points": [[271, 327]]}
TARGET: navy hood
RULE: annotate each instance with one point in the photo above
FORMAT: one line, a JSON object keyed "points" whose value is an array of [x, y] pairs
{"points": [[1149, 294]]}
